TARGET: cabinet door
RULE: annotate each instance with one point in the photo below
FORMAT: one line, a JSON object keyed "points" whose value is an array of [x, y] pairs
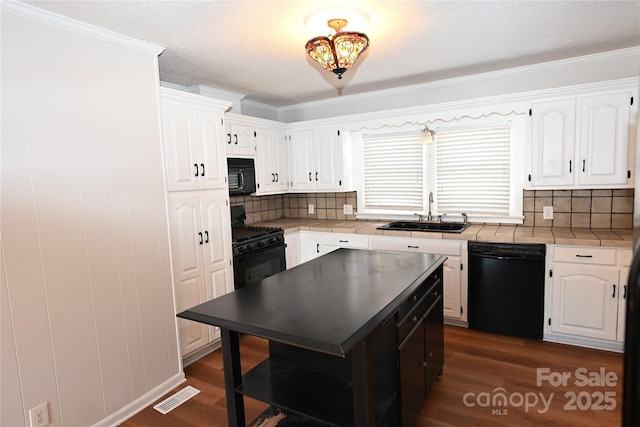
{"points": [[302, 165], [181, 146], [211, 152], [583, 301], [553, 143], [434, 344], [188, 266], [451, 287], [279, 162], [622, 304], [240, 140], [265, 173], [292, 250], [216, 230], [413, 386], [328, 157], [310, 247], [604, 138], [271, 161]]}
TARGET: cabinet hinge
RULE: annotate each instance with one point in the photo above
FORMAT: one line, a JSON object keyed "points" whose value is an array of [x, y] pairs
{"points": [[340, 182], [632, 100], [530, 112], [550, 273], [258, 185], [461, 266], [227, 202], [549, 321], [529, 177], [461, 310], [628, 174], [338, 132], [255, 134]]}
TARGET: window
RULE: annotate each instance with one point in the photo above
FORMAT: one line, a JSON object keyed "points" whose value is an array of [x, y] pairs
{"points": [[473, 171], [393, 172], [471, 168]]}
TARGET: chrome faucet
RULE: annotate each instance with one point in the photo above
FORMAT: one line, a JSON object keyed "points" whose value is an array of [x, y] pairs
{"points": [[429, 216], [464, 218]]}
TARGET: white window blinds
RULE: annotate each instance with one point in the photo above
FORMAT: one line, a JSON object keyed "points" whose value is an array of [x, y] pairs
{"points": [[473, 168], [393, 171]]}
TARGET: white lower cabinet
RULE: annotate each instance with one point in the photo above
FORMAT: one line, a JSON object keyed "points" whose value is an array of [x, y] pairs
{"points": [[310, 245], [587, 288], [333, 241], [292, 249], [313, 243], [201, 255], [455, 275]]}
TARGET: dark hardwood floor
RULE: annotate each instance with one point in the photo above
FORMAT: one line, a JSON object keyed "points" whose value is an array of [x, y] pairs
{"points": [[479, 368]]}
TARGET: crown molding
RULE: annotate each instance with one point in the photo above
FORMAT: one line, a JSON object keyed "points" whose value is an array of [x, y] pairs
{"points": [[456, 81], [447, 111], [40, 15]]}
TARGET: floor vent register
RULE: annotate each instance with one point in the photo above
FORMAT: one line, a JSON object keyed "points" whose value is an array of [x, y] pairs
{"points": [[176, 400]]}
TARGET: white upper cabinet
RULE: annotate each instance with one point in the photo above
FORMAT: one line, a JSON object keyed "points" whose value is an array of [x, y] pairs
{"points": [[271, 161], [553, 142], [316, 160], [582, 142], [604, 139], [240, 138], [193, 135]]}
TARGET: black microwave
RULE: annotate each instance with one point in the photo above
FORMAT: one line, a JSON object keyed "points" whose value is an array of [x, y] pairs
{"points": [[242, 176]]}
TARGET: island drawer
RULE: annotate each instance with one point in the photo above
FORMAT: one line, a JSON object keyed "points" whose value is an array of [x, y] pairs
{"points": [[412, 301], [420, 308]]}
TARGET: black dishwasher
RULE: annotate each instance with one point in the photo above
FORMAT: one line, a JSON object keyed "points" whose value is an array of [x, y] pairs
{"points": [[506, 288]]}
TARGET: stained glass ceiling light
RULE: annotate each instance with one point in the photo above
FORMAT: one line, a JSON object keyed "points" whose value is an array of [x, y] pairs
{"points": [[340, 50]]}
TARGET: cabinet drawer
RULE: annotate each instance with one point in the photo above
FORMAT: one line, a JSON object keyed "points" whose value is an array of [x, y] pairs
{"points": [[419, 309], [585, 255], [408, 244], [346, 240]]}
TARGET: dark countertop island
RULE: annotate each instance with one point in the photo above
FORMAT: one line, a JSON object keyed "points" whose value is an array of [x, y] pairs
{"points": [[328, 316]]}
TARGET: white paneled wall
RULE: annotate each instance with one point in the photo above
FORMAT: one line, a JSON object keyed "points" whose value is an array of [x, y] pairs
{"points": [[88, 319]]}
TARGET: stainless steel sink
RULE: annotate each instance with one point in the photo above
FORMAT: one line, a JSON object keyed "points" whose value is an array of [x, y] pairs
{"points": [[441, 227]]}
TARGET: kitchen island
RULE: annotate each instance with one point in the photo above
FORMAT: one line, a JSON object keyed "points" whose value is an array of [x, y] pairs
{"points": [[347, 334]]}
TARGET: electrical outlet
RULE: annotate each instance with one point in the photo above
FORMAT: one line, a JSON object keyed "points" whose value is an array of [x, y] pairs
{"points": [[547, 212], [312, 208], [39, 416], [347, 209]]}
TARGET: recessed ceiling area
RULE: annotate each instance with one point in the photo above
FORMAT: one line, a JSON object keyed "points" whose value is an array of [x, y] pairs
{"points": [[256, 48]]}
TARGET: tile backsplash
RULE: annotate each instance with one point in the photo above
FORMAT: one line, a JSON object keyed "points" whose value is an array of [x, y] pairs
{"points": [[580, 208], [325, 205]]}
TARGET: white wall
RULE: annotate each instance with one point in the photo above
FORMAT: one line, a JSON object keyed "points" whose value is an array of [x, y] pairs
{"points": [[88, 320]]}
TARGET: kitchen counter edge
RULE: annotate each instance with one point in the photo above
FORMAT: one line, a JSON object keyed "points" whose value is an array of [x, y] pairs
{"points": [[497, 233]]}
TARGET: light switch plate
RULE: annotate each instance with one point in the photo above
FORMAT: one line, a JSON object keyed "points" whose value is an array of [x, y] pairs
{"points": [[547, 212], [347, 209], [312, 208]]}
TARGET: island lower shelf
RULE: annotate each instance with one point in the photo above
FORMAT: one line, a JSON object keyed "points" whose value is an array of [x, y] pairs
{"points": [[325, 398]]}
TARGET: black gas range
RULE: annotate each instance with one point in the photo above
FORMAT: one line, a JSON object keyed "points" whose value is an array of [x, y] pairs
{"points": [[258, 252]]}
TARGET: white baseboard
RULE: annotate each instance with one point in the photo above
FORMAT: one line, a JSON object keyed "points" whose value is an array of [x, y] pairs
{"points": [[142, 402], [585, 342], [200, 353]]}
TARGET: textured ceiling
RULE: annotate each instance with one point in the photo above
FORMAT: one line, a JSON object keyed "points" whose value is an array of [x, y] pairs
{"points": [[256, 48]]}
